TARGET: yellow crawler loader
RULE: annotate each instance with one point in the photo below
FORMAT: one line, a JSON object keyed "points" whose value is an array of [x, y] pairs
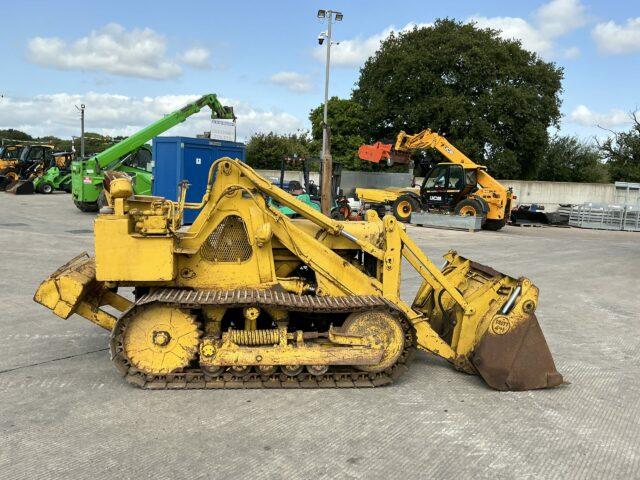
{"points": [[249, 298]]}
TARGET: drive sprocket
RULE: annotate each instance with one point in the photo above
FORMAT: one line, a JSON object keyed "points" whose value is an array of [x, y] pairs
{"points": [[161, 339]]}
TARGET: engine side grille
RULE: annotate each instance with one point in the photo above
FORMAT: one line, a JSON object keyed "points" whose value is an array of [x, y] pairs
{"points": [[229, 242]]}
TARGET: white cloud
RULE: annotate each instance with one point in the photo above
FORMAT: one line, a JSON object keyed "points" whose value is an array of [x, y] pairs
{"points": [[551, 21], [196, 57], [558, 17], [114, 50], [112, 114], [615, 39], [292, 81], [354, 52], [582, 115], [519, 29], [571, 52]]}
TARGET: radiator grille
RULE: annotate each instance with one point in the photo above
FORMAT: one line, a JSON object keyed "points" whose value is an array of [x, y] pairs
{"points": [[229, 242]]}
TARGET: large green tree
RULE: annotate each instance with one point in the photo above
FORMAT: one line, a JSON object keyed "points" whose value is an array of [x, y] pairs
{"points": [[266, 150], [492, 98], [346, 122], [622, 152], [568, 159]]}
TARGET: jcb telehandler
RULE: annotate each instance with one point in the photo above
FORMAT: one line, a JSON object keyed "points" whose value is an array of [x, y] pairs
{"points": [[247, 297], [459, 186]]}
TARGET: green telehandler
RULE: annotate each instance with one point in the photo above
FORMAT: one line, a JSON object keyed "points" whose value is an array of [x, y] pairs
{"points": [[132, 156]]}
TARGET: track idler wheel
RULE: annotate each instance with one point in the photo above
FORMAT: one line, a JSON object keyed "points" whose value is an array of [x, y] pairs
{"points": [[387, 331]]}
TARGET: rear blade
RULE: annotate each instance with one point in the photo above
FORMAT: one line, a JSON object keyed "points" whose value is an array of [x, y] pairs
{"points": [[518, 359], [68, 286]]}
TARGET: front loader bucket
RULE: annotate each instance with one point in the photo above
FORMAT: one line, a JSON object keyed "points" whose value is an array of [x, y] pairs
{"points": [[73, 288], [517, 360], [498, 335], [21, 187]]}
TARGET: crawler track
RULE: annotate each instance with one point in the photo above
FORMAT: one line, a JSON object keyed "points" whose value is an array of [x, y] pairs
{"points": [[195, 378]]}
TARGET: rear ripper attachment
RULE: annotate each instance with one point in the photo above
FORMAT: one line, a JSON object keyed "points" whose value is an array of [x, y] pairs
{"points": [[249, 298]]}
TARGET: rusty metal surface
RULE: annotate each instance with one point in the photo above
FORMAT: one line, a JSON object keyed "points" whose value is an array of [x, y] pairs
{"points": [[517, 360]]}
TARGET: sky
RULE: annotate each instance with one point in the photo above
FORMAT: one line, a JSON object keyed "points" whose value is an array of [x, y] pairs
{"points": [[132, 62]]}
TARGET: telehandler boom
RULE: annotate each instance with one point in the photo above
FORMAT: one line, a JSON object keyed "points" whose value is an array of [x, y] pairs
{"points": [[249, 298], [87, 174], [460, 186]]}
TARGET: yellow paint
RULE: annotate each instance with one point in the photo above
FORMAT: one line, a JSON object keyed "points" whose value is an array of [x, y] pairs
{"points": [[238, 241], [161, 339]]}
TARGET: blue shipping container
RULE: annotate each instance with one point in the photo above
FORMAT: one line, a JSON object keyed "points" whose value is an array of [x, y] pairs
{"points": [[184, 158]]}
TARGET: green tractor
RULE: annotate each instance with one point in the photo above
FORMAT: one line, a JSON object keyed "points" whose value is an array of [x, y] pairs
{"points": [[58, 177], [132, 156]]}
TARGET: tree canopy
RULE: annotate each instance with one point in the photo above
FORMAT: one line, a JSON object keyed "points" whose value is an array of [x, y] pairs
{"points": [[491, 98], [346, 122], [266, 150], [622, 152], [94, 142], [568, 159]]}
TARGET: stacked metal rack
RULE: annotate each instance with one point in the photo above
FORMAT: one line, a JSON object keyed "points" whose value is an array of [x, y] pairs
{"points": [[605, 217], [631, 219]]}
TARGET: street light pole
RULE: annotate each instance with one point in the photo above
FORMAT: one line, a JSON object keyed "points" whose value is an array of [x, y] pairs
{"points": [[81, 130], [326, 194], [326, 85]]}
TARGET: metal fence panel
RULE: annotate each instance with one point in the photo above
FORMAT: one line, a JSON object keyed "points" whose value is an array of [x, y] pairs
{"points": [[605, 217]]}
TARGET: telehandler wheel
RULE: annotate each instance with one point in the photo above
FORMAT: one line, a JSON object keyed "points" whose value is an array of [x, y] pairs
{"points": [[102, 200], [469, 207], [86, 206], [403, 207], [380, 209], [494, 225]]}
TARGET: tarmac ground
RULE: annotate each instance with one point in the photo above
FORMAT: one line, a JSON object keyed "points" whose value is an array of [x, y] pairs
{"points": [[66, 413]]}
